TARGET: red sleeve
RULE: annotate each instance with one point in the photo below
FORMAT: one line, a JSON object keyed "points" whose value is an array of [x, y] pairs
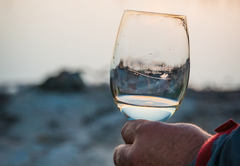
{"points": [[204, 154]]}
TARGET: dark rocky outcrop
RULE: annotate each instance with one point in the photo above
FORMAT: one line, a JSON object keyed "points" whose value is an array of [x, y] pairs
{"points": [[65, 81], [6, 119]]}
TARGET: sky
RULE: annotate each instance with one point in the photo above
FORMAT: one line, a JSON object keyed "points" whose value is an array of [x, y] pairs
{"points": [[41, 37]]}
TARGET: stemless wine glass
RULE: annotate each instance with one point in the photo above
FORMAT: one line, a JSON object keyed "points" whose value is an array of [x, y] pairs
{"points": [[150, 65]]}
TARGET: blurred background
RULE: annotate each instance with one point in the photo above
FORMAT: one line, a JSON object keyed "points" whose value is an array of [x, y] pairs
{"points": [[55, 103]]}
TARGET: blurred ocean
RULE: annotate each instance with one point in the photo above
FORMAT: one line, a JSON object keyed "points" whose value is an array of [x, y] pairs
{"points": [[39, 38], [80, 126]]}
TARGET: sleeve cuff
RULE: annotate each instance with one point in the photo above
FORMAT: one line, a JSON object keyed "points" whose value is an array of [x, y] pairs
{"points": [[204, 153]]}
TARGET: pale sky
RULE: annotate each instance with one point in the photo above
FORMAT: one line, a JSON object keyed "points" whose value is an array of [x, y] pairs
{"points": [[41, 37]]}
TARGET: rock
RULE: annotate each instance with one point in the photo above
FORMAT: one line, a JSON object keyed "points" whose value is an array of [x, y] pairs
{"points": [[65, 81], [6, 119], [51, 139], [3, 99], [65, 155], [19, 158]]}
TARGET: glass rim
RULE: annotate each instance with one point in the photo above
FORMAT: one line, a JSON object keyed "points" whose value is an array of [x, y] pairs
{"points": [[156, 13]]}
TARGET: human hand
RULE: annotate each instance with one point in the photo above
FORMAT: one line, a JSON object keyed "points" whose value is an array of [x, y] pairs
{"points": [[153, 143]]}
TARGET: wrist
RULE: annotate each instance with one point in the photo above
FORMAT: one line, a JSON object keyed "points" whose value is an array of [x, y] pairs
{"points": [[192, 144], [191, 156]]}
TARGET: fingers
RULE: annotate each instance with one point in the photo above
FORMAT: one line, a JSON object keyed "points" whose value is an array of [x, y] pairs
{"points": [[121, 155], [129, 130]]}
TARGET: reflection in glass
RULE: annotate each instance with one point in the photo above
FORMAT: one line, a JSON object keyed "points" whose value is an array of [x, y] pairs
{"points": [[150, 65]]}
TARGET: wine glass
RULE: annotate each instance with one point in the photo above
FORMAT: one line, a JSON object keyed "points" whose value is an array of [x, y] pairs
{"points": [[150, 65]]}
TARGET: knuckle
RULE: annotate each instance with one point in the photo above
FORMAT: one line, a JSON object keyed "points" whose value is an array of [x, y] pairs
{"points": [[131, 125], [122, 155], [141, 128], [148, 127], [117, 155], [133, 157], [126, 126]]}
